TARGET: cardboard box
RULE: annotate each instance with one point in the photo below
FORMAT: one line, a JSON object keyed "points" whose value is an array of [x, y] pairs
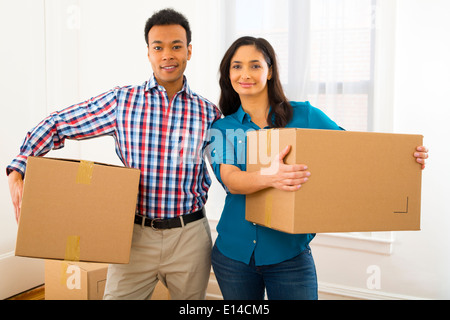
{"points": [[359, 182], [77, 210], [68, 280], [160, 292]]}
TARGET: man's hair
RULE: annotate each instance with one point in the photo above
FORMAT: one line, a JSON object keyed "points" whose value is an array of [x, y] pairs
{"points": [[167, 17]]}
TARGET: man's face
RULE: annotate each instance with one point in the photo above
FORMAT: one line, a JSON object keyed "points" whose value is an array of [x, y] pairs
{"points": [[168, 53]]}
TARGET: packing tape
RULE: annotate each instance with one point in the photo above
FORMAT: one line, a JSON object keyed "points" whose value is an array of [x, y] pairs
{"points": [[64, 266], [72, 248], [269, 143], [268, 211], [84, 174]]}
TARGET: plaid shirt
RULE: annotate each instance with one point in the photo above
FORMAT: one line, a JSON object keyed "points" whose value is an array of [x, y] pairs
{"points": [[164, 140]]}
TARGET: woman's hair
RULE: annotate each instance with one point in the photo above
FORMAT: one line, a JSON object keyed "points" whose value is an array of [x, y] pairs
{"points": [[281, 111]]}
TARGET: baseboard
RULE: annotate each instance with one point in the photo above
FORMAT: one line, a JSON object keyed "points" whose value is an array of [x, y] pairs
{"points": [[19, 274], [330, 291]]}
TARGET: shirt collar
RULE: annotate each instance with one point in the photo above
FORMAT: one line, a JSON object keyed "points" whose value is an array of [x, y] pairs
{"points": [[153, 84], [240, 115]]}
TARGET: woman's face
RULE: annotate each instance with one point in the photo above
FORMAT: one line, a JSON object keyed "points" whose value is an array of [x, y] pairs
{"points": [[249, 72]]}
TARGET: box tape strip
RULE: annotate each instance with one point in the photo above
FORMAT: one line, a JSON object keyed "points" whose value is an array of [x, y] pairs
{"points": [[72, 254], [84, 174], [268, 211], [72, 248], [64, 266], [269, 199]]}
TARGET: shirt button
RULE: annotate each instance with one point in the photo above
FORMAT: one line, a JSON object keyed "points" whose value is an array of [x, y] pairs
{"points": [[254, 224], [254, 241], [240, 141]]}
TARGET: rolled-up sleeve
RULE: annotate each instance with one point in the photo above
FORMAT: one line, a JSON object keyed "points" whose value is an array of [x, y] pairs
{"points": [[92, 118]]}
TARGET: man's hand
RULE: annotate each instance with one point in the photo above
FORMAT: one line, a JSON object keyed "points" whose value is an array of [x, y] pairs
{"points": [[15, 182]]}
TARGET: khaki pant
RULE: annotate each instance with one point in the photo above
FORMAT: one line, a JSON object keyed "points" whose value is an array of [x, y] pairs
{"points": [[180, 258]]}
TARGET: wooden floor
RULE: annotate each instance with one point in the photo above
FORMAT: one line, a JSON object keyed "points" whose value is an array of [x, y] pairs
{"points": [[37, 293]]}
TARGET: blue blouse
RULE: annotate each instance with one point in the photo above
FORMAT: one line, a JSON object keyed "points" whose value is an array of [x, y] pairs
{"points": [[238, 238]]}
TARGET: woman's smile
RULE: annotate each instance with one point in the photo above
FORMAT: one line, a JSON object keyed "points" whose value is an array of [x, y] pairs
{"points": [[246, 84]]}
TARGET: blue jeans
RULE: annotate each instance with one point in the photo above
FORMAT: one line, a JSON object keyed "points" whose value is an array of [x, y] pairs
{"points": [[293, 279]]}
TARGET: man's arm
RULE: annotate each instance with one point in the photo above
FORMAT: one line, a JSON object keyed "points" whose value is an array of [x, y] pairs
{"points": [[15, 183], [92, 118]]}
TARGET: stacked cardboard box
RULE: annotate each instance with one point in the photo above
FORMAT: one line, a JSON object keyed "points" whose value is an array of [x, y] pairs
{"points": [[68, 280]]}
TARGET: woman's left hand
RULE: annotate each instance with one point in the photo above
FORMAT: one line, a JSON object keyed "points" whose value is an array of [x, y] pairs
{"points": [[421, 154]]}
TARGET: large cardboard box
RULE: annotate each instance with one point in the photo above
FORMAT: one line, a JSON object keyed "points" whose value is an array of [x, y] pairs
{"points": [[68, 280], [359, 182], [77, 210]]}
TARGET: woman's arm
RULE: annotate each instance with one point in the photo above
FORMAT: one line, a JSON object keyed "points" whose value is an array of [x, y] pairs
{"points": [[278, 175]]}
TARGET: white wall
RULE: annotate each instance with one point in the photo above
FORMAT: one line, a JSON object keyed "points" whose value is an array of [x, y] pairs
{"points": [[23, 104], [421, 104], [419, 263]]}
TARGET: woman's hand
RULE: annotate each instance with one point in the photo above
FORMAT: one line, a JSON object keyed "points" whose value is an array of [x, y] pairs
{"points": [[279, 175], [421, 155], [286, 177]]}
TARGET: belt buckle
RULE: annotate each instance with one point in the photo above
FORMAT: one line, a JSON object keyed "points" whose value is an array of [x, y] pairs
{"points": [[152, 226], [143, 220]]}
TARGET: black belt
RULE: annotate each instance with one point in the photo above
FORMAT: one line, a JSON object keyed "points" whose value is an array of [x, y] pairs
{"points": [[169, 223]]}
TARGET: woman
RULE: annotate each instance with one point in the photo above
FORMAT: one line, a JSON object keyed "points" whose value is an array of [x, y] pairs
{"points": [[248, 259]]}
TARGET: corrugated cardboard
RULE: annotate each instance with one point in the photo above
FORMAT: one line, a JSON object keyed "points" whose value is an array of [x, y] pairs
{"points": [[160, 292], [359, 182], [77, 210], [68, 280]]}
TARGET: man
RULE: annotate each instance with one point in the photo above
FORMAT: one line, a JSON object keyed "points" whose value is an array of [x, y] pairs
{"points": [[161, 128]]}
